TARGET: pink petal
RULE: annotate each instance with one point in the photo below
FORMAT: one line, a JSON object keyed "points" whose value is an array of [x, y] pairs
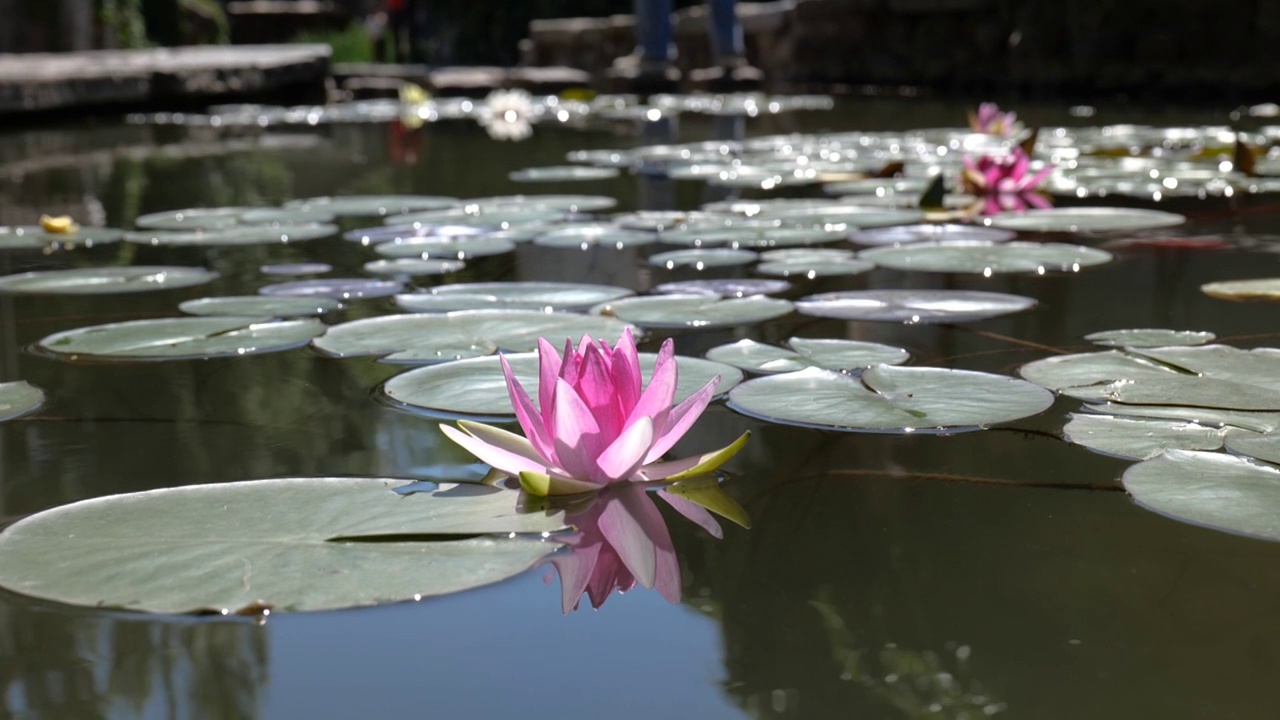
{"points": [[575, 570], [1035, 199], [548, 371], [699, 515], [527, 415], [503, 459], [680, 419], [629, 523], [624, 457], [610, 574], [570, 363], [656, 399], [595, 387], [574, 433], [625, 368]]}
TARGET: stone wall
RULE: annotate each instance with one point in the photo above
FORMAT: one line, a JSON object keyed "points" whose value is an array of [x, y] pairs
{"points": [[1177, 49]]}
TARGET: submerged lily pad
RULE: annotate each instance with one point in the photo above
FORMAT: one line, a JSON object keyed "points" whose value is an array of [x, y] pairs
{"points": [[259, 306], [292, 544], [19, 398], [1214, 490], [105, 280], [35, 237], [183, 338], [431, 338], [235, 235], [335, 288], [890, 399], [728, 287], [806, 353], [695, 311], [1085, 219], [1139, 438], [1254, 290], [986, 257], [511, 295], [907, 234], [374, 205], [913, 306], [1149, 338], [476, 387], [702, 259]]}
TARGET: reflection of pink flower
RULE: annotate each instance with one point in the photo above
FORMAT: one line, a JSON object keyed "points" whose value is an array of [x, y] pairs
{"points": [[1004, 183], [990, 119], [595, 423], [622, 542]]}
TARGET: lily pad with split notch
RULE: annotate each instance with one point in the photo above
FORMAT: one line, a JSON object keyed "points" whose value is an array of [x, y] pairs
{"points": [[1139, 438], [476, 388], [913, 306], [184, 338], [830, 354], [890, 399], [294, 544]]}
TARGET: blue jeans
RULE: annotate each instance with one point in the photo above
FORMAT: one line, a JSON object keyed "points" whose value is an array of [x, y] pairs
{"points": [[653, 28]]}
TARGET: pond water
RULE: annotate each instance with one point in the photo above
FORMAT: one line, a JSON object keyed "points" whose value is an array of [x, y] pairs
{"points": [[996, 573]]}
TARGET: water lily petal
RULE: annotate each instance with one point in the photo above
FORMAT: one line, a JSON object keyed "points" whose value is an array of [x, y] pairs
{"points": [[624, 456], [705, 492], [574, 433], [610, 574], [545, 484], [503, 457], [629, 523], [693, 466], [699, 515], [531, 421], [624, 365], [575, 569], [655, 401], [680, 419], [595, 387], [569, 364]]}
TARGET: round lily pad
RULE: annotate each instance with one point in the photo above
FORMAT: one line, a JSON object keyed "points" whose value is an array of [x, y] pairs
{"points": [[105, 280], [1149, 338], [1253, 290], [831, 354], [807, 254], [27, 237], [1085, 220], [19, 398], [1214, 490], [288, 269], [986, 258], [192, 218], [234, 235], [292, 544], [702, 259], [1263, 446], [543, 201], [432, 338], [544, 296], [563, 173], [928, 232], [183, 338], [913, 306], [750, 237], [810, 269], [401, 233], [1255, 422], [591, 236], [728, 287], [694, 311], [287, 216], [476, 388], [890, 399], [497, 218], [335, 288], [373, 205], [413, 266], [844, 217], [445, 248], [260, 306], [1139, 438]]}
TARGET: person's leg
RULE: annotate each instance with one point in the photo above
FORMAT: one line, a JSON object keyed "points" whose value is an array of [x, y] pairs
{"points": [[726, 34]]}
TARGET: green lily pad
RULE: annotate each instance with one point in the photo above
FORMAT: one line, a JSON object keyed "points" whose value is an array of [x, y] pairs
{"points": [[476, 388], [1084, 220], [260, 306], [758, 357], [807, 255], [373, 205], [1253, 290], [694, 311], [183, 338], [293, 544], [413, 267], [287, 216], [1257, 422], [913, 306], [585, 237], [810, 269], [1139, 438], [34, 237], [702, 259], [1214, 490], [1261, 446], [890, 399], [19, 398], [1149, 338], [766, 237], [105, 280], [562, 173], [498, 218], [543, 296], [445, 248], [192, 218], [432, 338], [543, 201], [986, 258], [234, 235]]}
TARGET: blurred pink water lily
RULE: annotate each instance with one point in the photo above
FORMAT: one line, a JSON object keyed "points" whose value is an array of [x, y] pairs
{"points": [[1004, 183], [990, 119], [595, 422]]}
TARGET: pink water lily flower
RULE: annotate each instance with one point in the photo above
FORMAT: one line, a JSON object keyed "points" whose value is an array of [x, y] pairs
{"points": [[595, 422], [1005, 183], [990, 119]]}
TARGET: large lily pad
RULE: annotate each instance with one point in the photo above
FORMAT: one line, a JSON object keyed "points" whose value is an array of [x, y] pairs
{"points": [[432, 338], [890, 399], [511, 295], [1215, 490], [260, 306], [1140, 438], [1256, 422], [476, 388], [986, 258], [695, 311], [804, 353], [183, 338], [291, 544], [913, 306], [19, 398], [1085, 220], [105, 280]]}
